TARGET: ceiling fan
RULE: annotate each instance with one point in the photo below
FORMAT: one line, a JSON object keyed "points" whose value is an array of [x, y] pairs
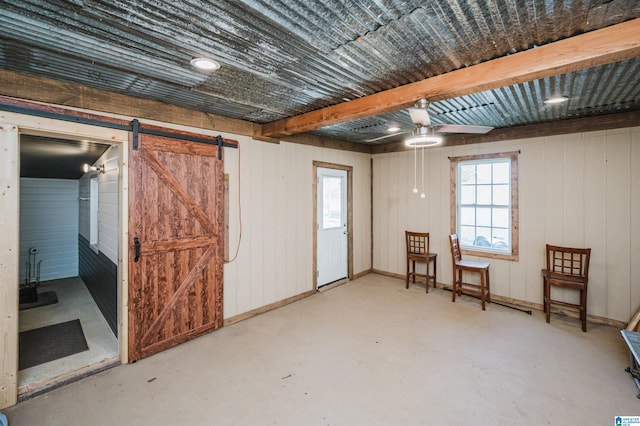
{"points": [[424, 134]]}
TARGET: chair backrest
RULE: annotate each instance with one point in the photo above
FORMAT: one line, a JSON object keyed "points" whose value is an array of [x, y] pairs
{"points": [[569, 261], [417, 242], [456, 255]]}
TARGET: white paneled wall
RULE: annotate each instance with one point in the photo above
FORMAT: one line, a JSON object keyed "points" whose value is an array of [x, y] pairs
{"points": [[107, 207], [49, 222], [575, 190], [276, 252]]}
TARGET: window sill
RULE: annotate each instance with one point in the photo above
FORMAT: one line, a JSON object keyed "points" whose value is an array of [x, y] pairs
{"points": [[503, 256]]}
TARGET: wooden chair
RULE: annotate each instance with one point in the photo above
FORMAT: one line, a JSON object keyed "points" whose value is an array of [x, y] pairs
{"points": [[481, 290], [567, 267], [418, 251]]}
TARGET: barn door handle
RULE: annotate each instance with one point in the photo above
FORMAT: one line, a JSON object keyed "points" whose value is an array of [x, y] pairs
{"points": [[136, 245]]}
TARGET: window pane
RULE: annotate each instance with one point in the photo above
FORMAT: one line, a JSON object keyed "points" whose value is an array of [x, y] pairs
{"points": [[484, 173], [501, 239], [483, 237], [467, 216], [331, 202], [468, 194], [483, 216], [468, 174], [501, 218], [501, 173], [467, 235], [501, 195], [484, 194]]}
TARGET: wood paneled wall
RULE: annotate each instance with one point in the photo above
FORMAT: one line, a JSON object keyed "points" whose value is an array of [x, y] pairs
{"points": [[108, 204], [100, 275], [275, 259], [99, 271], [49, 222], [575, 190]]}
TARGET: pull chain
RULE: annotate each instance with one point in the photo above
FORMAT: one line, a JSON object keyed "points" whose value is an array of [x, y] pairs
{"points": [[423, 195], [415, 169]]}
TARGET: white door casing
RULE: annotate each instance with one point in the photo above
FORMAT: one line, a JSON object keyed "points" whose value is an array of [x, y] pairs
{"points": [[332, 255]]}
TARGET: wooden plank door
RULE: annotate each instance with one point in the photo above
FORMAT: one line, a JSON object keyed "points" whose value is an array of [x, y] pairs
{"points": [[176, 222]]}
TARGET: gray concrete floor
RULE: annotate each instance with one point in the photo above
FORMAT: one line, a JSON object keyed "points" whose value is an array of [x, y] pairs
{"points": [[365, 353], [74, 301]]}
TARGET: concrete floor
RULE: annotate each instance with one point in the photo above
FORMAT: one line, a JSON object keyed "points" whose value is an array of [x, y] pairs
{"points": [[74, 301], [365, 353]]}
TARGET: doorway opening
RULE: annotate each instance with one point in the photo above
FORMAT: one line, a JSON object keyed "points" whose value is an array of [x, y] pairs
{"points": [[68, 259], [332, 223]]}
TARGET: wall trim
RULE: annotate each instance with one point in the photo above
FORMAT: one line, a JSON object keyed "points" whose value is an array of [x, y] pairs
{"points": [[524, 304], [263, 309], [361, 274]]}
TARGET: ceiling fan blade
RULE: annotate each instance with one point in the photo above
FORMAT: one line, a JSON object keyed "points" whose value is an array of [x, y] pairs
{"points": [[385, 137], [420, 116], [461, 128]]}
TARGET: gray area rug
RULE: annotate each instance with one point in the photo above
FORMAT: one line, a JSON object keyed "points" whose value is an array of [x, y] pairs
{"points": [[49, 343]]}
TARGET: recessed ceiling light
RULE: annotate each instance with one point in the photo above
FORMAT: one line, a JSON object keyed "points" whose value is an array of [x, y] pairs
{"points": [[205, 64], [556, 100], [393, 129]]}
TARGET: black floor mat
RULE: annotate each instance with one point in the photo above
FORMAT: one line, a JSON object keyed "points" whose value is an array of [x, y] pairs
{"points": [[44, 299], [49, 343]]}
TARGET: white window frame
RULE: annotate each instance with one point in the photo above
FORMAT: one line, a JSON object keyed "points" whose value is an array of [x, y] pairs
{"points": [[455, 162]]}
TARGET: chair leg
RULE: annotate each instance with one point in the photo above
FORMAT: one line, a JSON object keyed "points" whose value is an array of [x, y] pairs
{"points": [[426, 278], [547, 300], [544, 296], [413, 270], [583, 309], [407, 280], [488, 286], [435, 272], [454, 286], [482, 274]]}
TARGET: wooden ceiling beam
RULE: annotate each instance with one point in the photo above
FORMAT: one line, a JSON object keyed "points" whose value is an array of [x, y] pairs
{"points": [[599, 47]]}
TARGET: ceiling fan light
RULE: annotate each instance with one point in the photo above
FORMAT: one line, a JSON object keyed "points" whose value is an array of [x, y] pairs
{"points": [[420, 138]]}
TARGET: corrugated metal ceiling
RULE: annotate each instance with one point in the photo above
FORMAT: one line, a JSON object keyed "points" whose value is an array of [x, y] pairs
{"points": [[284, 58]]}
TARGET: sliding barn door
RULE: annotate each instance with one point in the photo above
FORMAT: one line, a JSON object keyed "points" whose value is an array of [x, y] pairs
{"points": [[175, 243]]}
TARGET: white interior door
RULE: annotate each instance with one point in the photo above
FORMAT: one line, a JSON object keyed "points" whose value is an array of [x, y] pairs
{"points": [[332, 225]]}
